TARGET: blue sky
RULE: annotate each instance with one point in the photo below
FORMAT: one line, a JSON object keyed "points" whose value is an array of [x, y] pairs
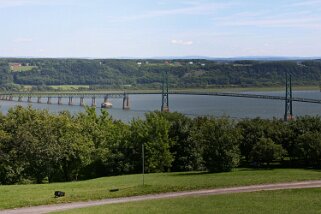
{"points": [[154, 28]]}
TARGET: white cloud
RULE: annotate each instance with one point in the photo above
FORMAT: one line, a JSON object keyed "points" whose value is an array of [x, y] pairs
{"points": [[182, 42]]}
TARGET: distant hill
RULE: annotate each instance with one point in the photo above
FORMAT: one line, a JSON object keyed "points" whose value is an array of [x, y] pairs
{"points": [[147, 73]]}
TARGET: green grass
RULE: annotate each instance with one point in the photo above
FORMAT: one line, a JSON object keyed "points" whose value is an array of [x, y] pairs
{"points": [[68, 87], [130, 185], [264, 202], [22, 68]]}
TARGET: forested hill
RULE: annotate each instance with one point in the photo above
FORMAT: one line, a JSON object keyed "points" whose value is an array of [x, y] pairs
{"points": [[118, 73]]}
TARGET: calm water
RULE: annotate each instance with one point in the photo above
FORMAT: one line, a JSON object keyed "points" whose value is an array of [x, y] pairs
{"points": [[193, 105]]}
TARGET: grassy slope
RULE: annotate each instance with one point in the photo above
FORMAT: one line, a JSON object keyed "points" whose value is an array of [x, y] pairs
{"points": [[28, 195], [264, 202]]}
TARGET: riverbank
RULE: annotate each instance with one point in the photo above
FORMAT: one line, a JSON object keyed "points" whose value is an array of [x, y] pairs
{"points": [[85, 89]]}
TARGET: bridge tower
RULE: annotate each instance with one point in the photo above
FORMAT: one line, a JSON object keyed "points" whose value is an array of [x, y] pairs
{"points": [[165, 104], [126, 105], [288, 98]]}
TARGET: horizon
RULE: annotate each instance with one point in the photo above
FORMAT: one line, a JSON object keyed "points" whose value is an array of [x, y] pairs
{"points": [[160, 28], [258, 58]]}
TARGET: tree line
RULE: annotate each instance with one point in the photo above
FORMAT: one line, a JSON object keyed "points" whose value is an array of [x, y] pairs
{"points": [[37, 146], [137, 74]]}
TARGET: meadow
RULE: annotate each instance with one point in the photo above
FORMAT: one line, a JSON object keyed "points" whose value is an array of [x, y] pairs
{"points": [[22, 68], [263, 202], [13, 196]]}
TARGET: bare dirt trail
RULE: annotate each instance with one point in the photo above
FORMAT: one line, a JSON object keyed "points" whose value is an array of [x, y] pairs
{"points": [[220, 191]]}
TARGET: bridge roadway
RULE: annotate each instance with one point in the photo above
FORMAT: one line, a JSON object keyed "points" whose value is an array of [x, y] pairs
{"points": [[123, 94]]}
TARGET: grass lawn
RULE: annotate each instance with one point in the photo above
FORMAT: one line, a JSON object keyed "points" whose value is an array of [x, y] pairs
{"points": [[130, 185], [282, 201]]}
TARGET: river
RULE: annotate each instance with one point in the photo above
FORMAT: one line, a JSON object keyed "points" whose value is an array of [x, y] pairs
{"points": [[192, 105]]}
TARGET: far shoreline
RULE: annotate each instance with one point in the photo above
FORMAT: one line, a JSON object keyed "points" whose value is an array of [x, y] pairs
{"points": [[233, 89]]}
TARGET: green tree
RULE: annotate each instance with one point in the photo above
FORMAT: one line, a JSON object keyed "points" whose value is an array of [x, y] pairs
{"points": [[220, 140], [310, 147], [186, 151], [109, 138], [310, 125], [266, 151], [153, 133], [74, 148], [253, 130], [10, 170]]}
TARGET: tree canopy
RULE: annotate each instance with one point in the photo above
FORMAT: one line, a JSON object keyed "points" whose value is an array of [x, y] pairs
{"points": [[122, 73]]}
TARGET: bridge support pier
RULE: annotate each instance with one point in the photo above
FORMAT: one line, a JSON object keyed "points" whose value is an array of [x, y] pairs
{"points": [[49, 100], [93, 103], [70, 101], [20, 99], [81, 101], [106, 99], [10, 98], [29, 99], [39, 99], [59, 101], [126, 105]]}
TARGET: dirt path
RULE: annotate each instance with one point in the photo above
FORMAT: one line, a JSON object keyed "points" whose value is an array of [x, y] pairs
{"points": [[253, 188]]}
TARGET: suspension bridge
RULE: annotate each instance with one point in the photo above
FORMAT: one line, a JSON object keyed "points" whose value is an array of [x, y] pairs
{"points": [[72, 97]]}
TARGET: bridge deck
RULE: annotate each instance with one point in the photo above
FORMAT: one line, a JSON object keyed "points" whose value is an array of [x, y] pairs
{"points": [[122, 94]]}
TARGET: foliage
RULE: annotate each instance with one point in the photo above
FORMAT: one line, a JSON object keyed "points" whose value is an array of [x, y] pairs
{"points": [[37, 146], [116, 73], [310, 147], [255, 129], [221, 144], [186, 151], [266, 151], [153, 135]]}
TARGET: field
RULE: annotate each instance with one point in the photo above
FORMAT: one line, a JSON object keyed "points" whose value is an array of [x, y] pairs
{"points": [[22, 68], [264, 202], [130, 185], [69, 87]]}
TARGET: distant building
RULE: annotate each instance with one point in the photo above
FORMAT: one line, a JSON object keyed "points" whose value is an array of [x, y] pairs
{"points": [[14, 65], [191, 63], [139, 63]]}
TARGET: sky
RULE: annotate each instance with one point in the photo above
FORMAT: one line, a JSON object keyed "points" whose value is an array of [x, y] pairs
{"points": [[160, 28]]}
